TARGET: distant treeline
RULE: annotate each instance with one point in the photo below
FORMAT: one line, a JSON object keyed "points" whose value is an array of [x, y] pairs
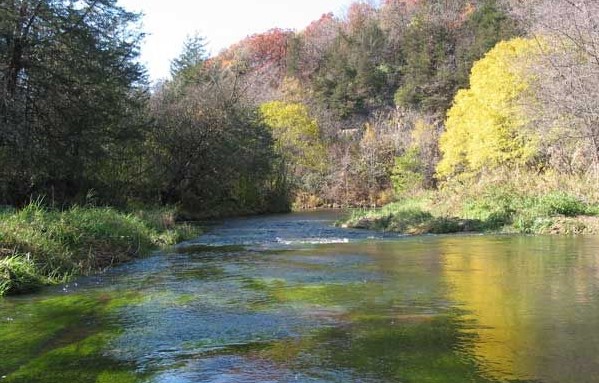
{"points": [[352, 110]]}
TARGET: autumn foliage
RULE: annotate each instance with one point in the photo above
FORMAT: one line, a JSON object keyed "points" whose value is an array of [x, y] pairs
{"points": [[400, 91], [485, 127], [261, 53]]}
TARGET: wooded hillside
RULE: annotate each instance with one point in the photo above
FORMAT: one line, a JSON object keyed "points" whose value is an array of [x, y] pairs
{"points": [[355, 109]]}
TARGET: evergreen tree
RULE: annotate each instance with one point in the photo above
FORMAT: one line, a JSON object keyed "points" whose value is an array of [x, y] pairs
{"points": [[68, 80]]}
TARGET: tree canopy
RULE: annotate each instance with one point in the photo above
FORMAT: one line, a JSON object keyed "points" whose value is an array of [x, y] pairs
{"points": [[400, 92], [485, 125], [69, 92]]}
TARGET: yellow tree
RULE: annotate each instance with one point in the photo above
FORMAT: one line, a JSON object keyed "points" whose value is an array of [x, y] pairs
{"points": [[297, 137], [485, 125]]}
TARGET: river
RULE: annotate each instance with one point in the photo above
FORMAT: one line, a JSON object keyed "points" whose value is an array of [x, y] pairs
{"points": [[291, 298]]}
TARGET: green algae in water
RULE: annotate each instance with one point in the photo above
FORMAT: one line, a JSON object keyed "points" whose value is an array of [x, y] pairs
{"points": [[198, 249], [419, 349], [384, 334], [423, 350], [81, 361], [401, 325], [63, 339], [203, 272], [326, 294], [322, 294]]}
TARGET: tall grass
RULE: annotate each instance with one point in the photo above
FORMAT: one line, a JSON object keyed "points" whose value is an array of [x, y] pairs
{"points": [[19, 274], [40, 246]]}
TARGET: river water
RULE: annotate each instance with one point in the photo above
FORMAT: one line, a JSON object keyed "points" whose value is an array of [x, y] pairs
{"points": [[291, 298]]}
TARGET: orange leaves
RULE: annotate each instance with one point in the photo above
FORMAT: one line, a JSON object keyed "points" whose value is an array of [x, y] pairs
{"points": [[269, 48], [321, 26], [359, 14], [260, 51]]}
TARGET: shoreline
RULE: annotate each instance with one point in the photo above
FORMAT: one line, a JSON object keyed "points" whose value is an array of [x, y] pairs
{"points": [[422, 222], [42, 247]]}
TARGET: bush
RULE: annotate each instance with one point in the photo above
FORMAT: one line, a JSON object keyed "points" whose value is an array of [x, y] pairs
{"points": [[495, 206], [561, 203], [407, 173]]}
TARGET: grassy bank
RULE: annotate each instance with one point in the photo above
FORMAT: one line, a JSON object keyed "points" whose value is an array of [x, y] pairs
{"points": [[505, 201], [39, 246]]}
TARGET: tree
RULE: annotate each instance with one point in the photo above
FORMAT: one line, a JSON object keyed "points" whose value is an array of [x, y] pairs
{"points": [[307, 53], [485, 127], [407, 174], [69, 88], [211, 152], [566, 114], [439, 45], [373, 163], [353, 77], [191, 58], [261, 62], [297, 138], [428, 78]]}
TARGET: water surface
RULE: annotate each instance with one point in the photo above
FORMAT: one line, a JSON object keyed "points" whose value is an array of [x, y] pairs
{"points": [[292, 299]]}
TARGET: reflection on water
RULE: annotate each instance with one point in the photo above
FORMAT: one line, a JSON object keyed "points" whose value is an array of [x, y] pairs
{"points": [[534, 300], [301, 301]]}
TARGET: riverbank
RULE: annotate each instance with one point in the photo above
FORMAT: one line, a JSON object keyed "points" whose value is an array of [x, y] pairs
{"points": [[496, 203], [39, 246]]}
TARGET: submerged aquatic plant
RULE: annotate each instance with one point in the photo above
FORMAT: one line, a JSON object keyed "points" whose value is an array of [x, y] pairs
{"points": [[72, 333]]}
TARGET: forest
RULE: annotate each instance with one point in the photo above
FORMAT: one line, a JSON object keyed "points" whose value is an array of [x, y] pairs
{"points": [[456, 114]]}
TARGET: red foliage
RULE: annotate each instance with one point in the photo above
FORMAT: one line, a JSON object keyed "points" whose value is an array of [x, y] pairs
{"points": [[320, 27], [358, 15], [269, 48], [316, 40], [260, 51], [408, 4]]}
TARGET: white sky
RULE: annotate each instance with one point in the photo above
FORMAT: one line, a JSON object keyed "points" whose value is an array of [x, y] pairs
{"points": [[221, 22]]}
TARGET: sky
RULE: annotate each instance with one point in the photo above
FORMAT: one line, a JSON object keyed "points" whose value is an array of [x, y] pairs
{"points": [[222, 22]]}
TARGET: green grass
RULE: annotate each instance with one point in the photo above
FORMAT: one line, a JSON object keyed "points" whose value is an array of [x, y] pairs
{"points": [[411, 216], [19, 274], [40, 246], [501, 206]]}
